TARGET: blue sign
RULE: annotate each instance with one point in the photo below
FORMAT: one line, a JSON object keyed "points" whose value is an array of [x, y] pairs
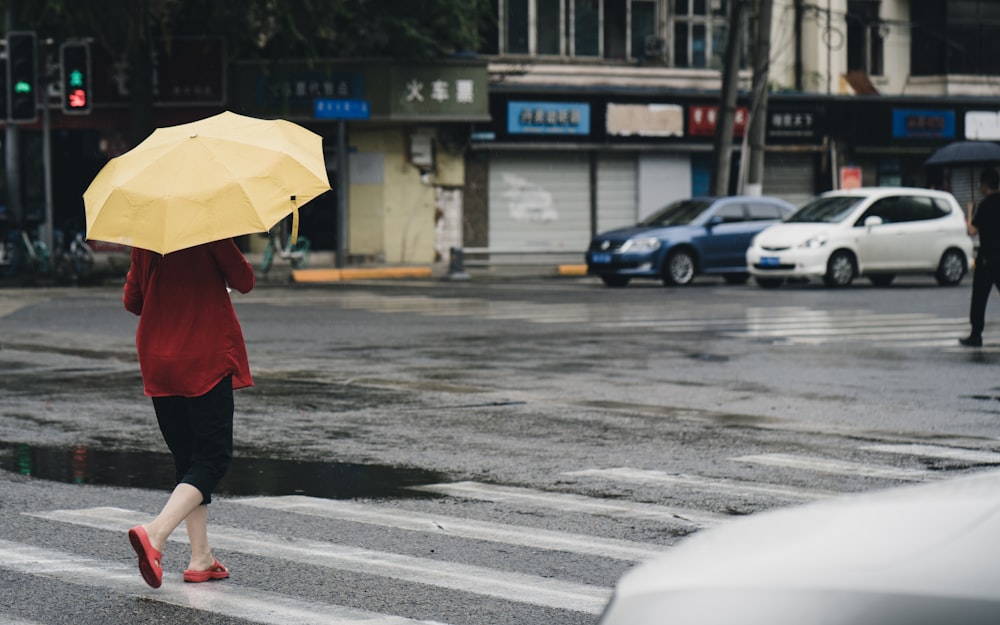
{"points": [[554, 118], [338, 108], [923, 123]]}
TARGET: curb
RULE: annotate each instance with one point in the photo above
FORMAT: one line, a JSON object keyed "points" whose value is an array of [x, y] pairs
{"points": [[342, 275]]}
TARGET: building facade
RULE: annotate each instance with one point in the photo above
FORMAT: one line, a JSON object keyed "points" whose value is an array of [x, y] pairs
{"points": [[603, 111]]}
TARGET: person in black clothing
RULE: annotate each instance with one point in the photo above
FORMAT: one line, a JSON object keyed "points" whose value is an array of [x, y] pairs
{"points": [[986, 223]]}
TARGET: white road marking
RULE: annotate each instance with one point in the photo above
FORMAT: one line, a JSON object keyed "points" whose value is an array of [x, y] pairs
{"points": [[463, 528], [227, 599], [938, 451], [733, 487], [839, 467], [567, 502], [507, 585]]}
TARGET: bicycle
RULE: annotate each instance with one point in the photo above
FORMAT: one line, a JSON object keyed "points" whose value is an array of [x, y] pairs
{"points": [[75, 261], [279, 244], [20, 253]]}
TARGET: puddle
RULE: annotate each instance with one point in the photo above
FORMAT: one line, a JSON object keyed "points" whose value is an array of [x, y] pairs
{"points": [[246, 477]]}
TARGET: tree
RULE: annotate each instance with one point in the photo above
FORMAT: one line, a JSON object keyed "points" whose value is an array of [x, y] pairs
{"points": [[267, 29]]}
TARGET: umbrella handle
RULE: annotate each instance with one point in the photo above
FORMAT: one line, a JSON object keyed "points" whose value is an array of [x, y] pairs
{"points": [[294, 237]]}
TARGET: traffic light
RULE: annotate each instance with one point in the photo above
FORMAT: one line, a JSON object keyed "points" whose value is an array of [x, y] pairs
{"points": [[22, 77], [74, 61]]}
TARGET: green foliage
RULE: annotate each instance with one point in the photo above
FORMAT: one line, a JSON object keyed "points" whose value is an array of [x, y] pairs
{"points": [[271, 29]]}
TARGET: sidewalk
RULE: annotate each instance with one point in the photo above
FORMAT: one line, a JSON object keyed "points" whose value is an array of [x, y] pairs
{"points": [[322, 270]]}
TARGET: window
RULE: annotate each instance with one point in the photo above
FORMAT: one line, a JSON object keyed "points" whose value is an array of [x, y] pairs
{"points": [[700, 30], [586, 27], [764, 212], [864, 37], [955, 37], [730, 213], [644, 40], [547, 18], [613, 29], [516, 27]]}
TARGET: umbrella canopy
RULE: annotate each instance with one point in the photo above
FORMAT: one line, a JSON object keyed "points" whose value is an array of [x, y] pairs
{"points": [[966, 153], [216, 178]]}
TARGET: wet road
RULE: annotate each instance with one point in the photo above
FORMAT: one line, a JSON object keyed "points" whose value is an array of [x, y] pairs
{"points": [[474, 452]]}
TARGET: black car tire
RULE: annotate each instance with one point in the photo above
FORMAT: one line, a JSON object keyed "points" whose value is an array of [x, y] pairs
{"points": [[882, 279], [840, 270], [951, 269], [679, 268], [615, 281], [768, 283], [736, 278]]}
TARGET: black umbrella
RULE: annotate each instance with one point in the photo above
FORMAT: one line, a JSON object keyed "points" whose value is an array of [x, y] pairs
{"points": [[966, 153]]}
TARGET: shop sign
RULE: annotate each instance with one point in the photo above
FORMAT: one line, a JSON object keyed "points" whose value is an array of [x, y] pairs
{"points": [[458, 91], [923, 123], [702, 120], [982, 125], [645, 120], [792, 124], [340, 108], [850, 177], [301, 88], [559, 118], [187, 71]]}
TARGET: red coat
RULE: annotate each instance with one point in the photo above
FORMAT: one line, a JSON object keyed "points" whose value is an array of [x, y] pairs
{"points": [[188, 337]]}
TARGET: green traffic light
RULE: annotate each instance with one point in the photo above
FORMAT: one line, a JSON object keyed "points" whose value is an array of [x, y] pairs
{"points": [[76, 78], [22, 86]]}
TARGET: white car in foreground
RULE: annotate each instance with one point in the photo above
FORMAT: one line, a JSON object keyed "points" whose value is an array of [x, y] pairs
{"points": [[877, 232], [923, 555]]}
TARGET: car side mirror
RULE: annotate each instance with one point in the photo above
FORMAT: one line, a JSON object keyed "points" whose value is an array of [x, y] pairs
{"points": [[873, 220], [714, 221]]}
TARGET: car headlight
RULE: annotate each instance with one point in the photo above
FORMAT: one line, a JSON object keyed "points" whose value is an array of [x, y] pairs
{"points": [[646, 244], [815, 242]]}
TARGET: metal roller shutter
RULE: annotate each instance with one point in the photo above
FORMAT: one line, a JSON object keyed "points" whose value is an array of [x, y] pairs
{"points": [[539, 201], [617, 200], [790, 176]]}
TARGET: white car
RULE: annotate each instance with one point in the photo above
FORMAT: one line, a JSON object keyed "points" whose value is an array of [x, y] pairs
{"points": [[917, 555], [877, 232]]}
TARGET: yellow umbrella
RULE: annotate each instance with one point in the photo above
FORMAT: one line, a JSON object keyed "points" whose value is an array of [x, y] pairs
{"points": [[216, 178]]}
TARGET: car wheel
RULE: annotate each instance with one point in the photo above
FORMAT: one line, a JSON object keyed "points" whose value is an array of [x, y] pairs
{"points": [[839, 270], [679, 268], [615, 281], [736, 278], [883, 279], [768, 283], [951, 269]]}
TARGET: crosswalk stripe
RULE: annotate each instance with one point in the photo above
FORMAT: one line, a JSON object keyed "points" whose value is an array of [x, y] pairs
{"points": [[451, 526], [568, 502], [506, 585], [733, 487], [232, 600], [938, 451], [839, 467]]}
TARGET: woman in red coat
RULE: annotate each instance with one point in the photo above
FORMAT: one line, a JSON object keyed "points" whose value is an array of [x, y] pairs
{"points": [[192, 355]]}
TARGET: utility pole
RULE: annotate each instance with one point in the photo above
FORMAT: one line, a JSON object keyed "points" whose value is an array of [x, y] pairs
{"points": [[723, 144], [758, 107]]}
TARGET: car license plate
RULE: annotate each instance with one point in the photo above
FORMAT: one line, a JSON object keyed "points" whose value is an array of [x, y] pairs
{"points": [[601, 258], [770, 261]]}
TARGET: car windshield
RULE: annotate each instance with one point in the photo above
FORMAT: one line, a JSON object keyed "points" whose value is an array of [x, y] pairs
{"points": [[679, 213], [825, 210]]}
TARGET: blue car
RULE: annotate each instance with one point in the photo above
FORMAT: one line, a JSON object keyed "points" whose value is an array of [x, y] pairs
{"points": [[701, 235]]}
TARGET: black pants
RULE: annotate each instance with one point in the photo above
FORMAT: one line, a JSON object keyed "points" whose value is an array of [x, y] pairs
{"points": [[985, 276], [199, 433]]}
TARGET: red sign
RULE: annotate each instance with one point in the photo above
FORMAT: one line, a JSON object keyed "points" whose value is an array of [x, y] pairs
{"points": [[702, 120], [187, 71], [850, 177]]}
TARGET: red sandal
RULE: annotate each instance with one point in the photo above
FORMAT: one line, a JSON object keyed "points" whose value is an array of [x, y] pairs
{"points": [[217, 571], [150, 560]]}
